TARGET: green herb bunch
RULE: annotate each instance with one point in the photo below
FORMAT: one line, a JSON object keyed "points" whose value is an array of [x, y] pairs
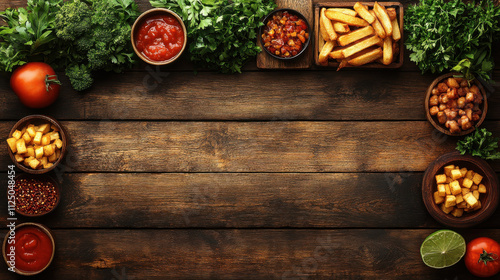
{"points": [[222, 33], [96, 37], [453, 35], [481, 144]]}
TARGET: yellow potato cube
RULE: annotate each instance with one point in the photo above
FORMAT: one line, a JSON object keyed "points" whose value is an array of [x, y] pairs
{"points": [[445, 209], [467, 183], [456, 174], [469, 174], [450, 201], [470, 199], [441, 178], [54, 136], [455, 188], [448, 169], [54, 128], [441, 190], [19, 158], [481, 188], [460, 198], [39, 152], [21, 146], [53, 157], [58, 143], [44, 161], [44, 128], [465, 191], [12, 144], [30, 151], [448, 180], [437, 198], [447, 189], [462, 205], [463, 171], [48, 150], [477, 179], [34, 163], [457, 212], [45, 140], [478, 206], [37, 140], [26, 137], [31, 131], [475, 193], [474, 187], [48, 165], [28, 160], [17, 134]]}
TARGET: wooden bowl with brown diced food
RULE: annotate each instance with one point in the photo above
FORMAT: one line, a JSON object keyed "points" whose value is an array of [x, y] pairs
{"points": [[37, 144], [455, 106], [460, 190]]}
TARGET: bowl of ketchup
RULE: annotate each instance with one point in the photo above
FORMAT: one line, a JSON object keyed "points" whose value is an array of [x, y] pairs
{"points": [[28, 248], [159, 36]]}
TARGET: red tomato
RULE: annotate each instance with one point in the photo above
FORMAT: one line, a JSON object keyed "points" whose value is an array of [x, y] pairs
{"points": [[481, 257], [35, 84]]}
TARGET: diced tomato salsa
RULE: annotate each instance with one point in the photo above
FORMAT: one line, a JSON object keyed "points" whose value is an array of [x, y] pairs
{"points": [[285, 34]]}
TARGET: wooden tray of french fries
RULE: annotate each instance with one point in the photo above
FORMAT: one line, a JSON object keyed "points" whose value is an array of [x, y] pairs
{"points": [[355, 34]]}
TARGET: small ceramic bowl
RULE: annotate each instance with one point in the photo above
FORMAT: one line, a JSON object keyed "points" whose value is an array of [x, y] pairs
{"points": [[44, 178], [489, 201], [37, 120], [7, 246], [137, 25], [292, 12], [441, 127]]}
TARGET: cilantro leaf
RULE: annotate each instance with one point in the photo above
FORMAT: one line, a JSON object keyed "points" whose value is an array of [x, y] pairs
{"points": [[481, 144]]}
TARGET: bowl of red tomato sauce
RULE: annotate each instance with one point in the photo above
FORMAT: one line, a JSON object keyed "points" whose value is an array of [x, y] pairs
{"points": [[285, 34], [159, 36], [28, 248]]}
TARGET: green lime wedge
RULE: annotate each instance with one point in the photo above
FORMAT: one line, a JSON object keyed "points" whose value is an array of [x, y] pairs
{"points": [[442, 248]]}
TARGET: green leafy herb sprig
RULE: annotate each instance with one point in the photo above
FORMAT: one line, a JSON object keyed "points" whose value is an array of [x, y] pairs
{"points": [[481, 144], [222, 33], [454, 35]]}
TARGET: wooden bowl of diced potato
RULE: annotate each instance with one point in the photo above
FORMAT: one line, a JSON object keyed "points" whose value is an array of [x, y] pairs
{"points": [[37, 144], [460, 190]]}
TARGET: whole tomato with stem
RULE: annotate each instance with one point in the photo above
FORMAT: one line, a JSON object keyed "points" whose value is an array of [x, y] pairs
{"points": [[481, 257], [36, 84]]}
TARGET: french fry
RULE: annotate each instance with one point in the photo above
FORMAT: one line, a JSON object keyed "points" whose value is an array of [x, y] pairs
{"points": [[391, 12], [396, 32], [363, 12], [388, 54], [328, 27], [343, 63], [377, 26], [327, 48], [346, 11], [336, 53], [341, 17], [382, 15], [340, 27], [361, 33], [322, 30], [361, 46], [366, 57]]}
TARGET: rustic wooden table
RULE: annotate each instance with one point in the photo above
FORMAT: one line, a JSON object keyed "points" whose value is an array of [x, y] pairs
{"points": [[304, 174]]}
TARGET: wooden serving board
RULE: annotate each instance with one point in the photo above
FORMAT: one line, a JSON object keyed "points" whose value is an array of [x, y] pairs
{"points": [[399, 10], [265, 61]]}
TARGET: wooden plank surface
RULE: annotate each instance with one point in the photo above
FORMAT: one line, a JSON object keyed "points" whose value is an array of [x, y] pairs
{"points": [[245, 254], [252, 146], [265, 61], [298, 95], [224, 200]]}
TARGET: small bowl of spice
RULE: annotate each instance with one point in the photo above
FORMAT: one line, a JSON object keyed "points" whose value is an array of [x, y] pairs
{"points": [[36, 195], [285, 34], [31, 250]]}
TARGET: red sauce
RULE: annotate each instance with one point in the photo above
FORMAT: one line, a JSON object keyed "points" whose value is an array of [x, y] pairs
{"points": [[285, 34], [33, 248], [160, 37]]}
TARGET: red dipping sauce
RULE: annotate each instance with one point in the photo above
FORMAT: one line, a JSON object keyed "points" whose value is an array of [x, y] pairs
{"points": [[160, 37], [33, 248]]}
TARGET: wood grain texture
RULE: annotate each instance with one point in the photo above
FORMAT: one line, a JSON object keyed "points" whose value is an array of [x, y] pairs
{"points": [[305, 60], [251, 146], [245, 254], [228, 200], [298, 95]]}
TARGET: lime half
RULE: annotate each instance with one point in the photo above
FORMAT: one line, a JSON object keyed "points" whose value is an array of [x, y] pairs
{"points": [[442, 248]]}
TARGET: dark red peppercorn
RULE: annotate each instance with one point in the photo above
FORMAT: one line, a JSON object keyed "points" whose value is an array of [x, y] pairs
{"points": [[35, 196]]}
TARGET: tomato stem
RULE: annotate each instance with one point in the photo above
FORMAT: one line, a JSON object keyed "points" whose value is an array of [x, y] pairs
{"points": [[487, 257], [49, 81]]}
